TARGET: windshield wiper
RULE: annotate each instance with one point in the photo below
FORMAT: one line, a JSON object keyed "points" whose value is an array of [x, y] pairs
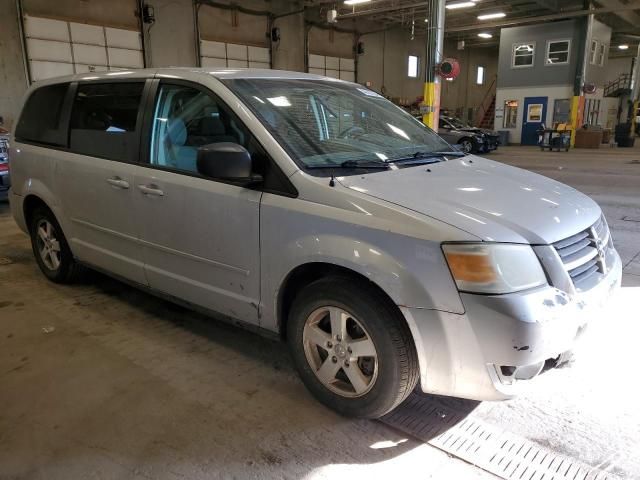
{"points": [[366, 164], [427, 157]]}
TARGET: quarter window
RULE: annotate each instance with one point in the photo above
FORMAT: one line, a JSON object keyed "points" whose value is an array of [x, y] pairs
{"points": [[523, 55], [42, 119], [104, 120], [558, 52]]}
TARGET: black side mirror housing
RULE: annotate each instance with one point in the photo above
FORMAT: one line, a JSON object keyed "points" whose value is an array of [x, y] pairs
{"points": [[226, 161]]}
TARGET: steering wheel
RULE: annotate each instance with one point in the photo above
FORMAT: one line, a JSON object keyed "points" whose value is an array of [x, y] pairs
{"points": [[352, 132]]}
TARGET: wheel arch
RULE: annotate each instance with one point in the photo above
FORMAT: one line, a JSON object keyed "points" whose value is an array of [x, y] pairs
{"points": [[307, 273]]}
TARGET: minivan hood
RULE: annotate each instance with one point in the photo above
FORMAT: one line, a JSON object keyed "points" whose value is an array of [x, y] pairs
{"points": [[490, 200]]}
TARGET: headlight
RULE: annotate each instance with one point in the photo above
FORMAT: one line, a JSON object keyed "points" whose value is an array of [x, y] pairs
{"points": [[493, 268]]}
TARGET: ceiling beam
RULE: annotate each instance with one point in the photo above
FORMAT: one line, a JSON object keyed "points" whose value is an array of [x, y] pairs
{"points": [[542, 18], [375, 11], [628, 16]]}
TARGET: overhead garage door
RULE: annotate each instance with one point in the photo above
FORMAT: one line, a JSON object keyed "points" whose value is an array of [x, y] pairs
{"points": [[335, 67], [58, 47], [331, 53], [230, 38]]}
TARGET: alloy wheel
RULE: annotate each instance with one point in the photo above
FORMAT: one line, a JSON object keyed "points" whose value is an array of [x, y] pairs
{"points": [[340, 351], [48, 245]]}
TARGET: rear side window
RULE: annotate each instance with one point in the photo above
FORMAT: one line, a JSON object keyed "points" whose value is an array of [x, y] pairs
{"points": [[104, 120], [42, 120]]}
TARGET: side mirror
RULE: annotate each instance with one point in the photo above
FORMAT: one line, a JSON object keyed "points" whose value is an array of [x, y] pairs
{"points": [[226, 161]]}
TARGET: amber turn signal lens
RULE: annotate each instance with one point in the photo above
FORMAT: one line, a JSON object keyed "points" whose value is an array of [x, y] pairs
{"points": [[471, 267]]}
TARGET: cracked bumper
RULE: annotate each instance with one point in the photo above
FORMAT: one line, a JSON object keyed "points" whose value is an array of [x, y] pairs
{"points": [[462, 355]]}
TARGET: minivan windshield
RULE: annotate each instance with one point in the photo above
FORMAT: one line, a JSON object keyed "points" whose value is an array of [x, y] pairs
{"points": [[324, 123]]}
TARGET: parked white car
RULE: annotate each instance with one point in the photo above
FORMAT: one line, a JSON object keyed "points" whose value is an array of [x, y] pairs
{"points": [[314, 209]]}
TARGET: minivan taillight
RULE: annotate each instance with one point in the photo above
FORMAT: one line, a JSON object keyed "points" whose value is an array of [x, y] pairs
{"points": [[4, 167]]}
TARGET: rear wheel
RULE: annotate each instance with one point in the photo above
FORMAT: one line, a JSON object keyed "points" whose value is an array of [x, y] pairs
{"points": [[50, 248], [351, 347]]}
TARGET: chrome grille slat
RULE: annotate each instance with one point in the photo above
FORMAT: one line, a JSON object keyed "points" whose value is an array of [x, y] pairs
{"points": [[581, 254]]}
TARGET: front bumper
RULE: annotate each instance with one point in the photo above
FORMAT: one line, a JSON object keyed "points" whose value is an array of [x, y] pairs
{"points": [[463, 355]]}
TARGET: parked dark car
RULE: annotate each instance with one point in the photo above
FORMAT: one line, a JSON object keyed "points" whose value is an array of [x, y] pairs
{"points": [[5, 181], [484, 140]]}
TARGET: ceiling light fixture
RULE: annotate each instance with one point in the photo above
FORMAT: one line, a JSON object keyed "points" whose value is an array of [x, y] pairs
{"points": [[623, 47], [490, 16], [485, 35], [455, 6], [355, 2]]}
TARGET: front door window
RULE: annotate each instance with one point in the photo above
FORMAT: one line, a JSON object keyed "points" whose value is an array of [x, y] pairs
{"points": [[534, 113]]}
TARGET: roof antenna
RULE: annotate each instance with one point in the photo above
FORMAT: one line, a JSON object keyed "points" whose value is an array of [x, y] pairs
{"points": [[332, 182]]}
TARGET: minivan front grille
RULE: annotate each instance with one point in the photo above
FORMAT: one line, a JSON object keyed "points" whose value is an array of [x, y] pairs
{"points": [[584, 254]]}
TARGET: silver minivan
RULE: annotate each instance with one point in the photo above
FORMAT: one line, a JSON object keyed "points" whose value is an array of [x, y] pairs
{"points": [[316, 210]]}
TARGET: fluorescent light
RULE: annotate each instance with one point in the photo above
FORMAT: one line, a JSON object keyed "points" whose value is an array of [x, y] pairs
{"points": [[280, 101], [454, 6], [485, 35], [623, 47], [489, 16], [355, 2]]}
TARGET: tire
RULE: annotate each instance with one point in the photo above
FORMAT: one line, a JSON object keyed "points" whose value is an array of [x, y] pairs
{"points": [[466, 144], [372, 324], [51, 249]]}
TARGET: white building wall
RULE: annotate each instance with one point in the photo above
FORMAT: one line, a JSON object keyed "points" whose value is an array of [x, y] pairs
{"points": [[552, 93]]}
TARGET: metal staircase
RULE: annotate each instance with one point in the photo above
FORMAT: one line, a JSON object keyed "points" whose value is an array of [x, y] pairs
{"points": [[619, 87], [487, 109]]}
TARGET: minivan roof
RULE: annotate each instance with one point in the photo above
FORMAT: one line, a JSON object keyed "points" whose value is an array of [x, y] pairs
{"points": [[187, 72]]}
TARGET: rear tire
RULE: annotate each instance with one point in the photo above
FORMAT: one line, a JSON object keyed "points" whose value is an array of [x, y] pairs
{"points": [[51, 249], [352, 347], [467, 145]]}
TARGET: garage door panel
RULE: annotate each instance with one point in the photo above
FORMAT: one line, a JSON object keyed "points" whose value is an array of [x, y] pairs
{"points": [[332, 63], [333, 73], [89, 54], [317, 71], [259, 54], [41, 70], [87, 34], [214, 62], [80, 68], [46, 28], [120, 57], [263, 65], [118, 37], [348, 76], [213, 49], [48, 50], [237, 63], [237, 52]]}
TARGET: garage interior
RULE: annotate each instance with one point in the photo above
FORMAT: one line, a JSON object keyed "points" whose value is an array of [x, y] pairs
{"points": [[99, 380]]}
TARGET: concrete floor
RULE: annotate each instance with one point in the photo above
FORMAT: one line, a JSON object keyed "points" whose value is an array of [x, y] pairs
{"points": [[101, 381]]}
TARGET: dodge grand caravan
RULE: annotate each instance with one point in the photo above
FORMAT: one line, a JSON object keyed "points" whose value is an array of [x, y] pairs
{"points": [[314, 209]]}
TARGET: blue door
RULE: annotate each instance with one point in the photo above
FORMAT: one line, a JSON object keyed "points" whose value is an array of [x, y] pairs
{"points": [[534, 115]]}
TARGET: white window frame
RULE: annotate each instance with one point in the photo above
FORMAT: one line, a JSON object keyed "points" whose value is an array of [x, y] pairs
{"points": [[513, 55], [546, 58], [417, 69], [602, 53], [593, 51], [480, 78]]}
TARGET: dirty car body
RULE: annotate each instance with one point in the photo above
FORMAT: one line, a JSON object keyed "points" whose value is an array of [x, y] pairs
{"points": [[493, 270]]}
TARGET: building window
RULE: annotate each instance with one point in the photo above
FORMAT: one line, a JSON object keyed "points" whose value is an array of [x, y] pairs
{"points": [[480, 75], [510, 113], [593, 52], [558, 52], [413, 66], [523, 55], [602, 54]]}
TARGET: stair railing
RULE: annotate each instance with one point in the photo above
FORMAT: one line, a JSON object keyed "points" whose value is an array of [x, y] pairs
{"points": [[484, 106]]}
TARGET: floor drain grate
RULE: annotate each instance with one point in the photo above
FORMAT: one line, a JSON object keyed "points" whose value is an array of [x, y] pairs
{"points": [[5, 261], [502, 453]]}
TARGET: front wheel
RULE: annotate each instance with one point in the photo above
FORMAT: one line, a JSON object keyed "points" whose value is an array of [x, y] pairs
{"points": [[352, 348], [466, 145]]}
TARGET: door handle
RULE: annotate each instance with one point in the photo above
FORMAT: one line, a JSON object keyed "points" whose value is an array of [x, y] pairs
{"points": [[151, 190], [118, 182]]}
